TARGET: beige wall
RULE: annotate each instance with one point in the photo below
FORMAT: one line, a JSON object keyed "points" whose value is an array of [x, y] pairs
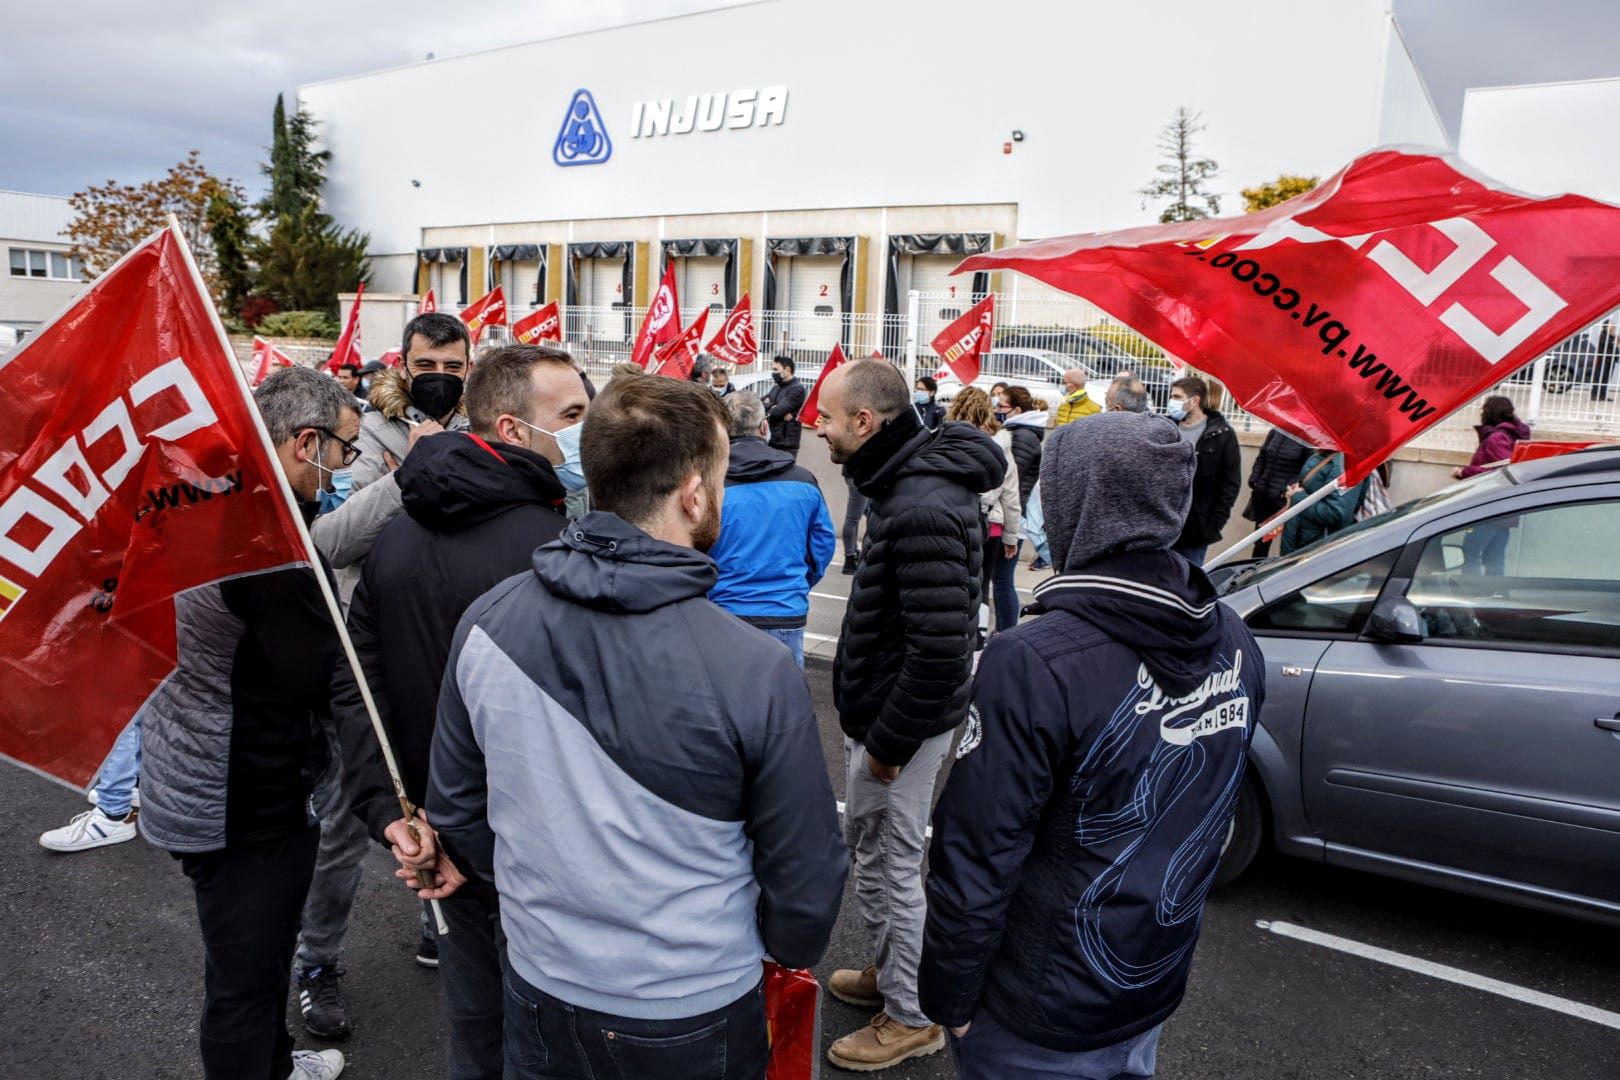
{"points": [[25, 302]]}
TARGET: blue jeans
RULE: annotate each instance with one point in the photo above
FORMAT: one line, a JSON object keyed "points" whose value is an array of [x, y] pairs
{"points": [[1000, 582], [115, 783], [793, 639], [989, 1051], [549, 1039]]}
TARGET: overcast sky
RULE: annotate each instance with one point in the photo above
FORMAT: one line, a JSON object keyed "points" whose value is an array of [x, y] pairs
{"points": [[97, 89]]}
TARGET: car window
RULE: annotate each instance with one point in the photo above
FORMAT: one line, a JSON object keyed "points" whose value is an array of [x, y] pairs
{"points": [[1336, 604], [1547, 577]]}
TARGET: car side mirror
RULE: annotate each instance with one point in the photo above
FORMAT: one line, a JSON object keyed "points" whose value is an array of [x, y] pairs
{"points": [[1396, 620]]}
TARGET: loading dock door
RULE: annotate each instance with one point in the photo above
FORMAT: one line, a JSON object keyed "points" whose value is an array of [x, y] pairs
{"points": [[815, 300]]}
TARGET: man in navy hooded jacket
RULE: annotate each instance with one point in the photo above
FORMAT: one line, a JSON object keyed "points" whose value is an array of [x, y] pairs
{"points": [[1082, 824]]}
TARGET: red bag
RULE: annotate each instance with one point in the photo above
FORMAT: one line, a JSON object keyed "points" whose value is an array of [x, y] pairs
{"points": [[792, 1023]]}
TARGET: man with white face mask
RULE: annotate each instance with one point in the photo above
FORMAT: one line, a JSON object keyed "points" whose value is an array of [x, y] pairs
{"points": [[476, 505]]}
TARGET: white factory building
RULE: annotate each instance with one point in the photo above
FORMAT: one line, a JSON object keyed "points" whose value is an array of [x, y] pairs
{"points": [[42, 275]]}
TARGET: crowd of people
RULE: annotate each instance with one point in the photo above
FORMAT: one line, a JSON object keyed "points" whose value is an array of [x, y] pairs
{"points": [[580, 617]]}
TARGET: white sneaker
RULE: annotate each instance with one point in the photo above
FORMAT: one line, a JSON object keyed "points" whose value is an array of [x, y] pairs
{"points": [[134, 798], [91, 829], [316, 1065]]}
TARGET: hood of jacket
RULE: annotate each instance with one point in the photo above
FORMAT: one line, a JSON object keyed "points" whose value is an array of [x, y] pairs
{"points": [[1155, 602], [1515, 427], [602, 561], [390, 394], [753, 459], [1036, 420], [451, 482], [955, 451]]}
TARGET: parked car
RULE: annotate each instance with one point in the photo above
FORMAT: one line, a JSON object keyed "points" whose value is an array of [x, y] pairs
{"points": [[1038, 371], [1443, 691], [1097, 354]]}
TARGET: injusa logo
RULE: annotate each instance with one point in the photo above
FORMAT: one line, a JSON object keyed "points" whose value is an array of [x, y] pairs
{"points": [[583, 137]]}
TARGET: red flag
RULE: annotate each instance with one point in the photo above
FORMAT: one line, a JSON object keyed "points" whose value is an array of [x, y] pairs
{"points": [[1359, 314], [964, 343], [391, 358], [792, 1001], [265, 357], [127, 476], [487, 310], [347, 349], [734, 341], [426, 304], [663, 322], [1536, 449], [811, 413], [678, 357], [543, 325]]}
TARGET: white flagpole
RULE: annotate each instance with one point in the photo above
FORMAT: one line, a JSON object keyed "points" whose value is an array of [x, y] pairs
{"points": [[314, 559], [1278, 520]]}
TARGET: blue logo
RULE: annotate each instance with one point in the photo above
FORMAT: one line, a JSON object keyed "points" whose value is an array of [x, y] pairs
{"points": [[583, 139]]}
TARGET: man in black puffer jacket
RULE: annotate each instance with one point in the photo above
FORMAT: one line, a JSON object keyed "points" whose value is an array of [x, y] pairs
{"points": [[783, 403], [477, 503], [900, 678], [1082, 824], [1275, 468]]}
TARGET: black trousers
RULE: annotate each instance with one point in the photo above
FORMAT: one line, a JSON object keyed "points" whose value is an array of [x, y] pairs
{"points": [[250, 900], [471, 958], [548, 1039], [1263, 509]]}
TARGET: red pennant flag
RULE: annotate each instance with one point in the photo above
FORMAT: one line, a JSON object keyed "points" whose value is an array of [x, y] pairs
{"points": [[811, 412], [391, 358], [734, 342], [427, 304], [877, 354], [1361, 313], [347, 349], [663, 322], [678, 357], [487, 310], [128, 475], [543, 325], [964, 343], [265, 357]]}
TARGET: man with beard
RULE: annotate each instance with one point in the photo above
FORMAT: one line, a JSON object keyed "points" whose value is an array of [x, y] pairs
{"points": [[639, 772]]}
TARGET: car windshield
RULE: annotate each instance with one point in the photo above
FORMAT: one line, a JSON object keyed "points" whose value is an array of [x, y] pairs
{"points": [[1261, 571]]}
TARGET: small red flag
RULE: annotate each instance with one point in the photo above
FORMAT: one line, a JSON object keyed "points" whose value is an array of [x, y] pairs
{"points": [[487, 310], [678, 357], [663, 322], [811, 412], [265, 357], [543, 325], [390, 358], [964, 343], [347, 350], [426, 304], [734, 341]]}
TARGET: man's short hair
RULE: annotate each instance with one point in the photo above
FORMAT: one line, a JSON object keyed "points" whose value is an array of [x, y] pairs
{"points": [[352, 369], [1193, 386], [503, 382], [747, 413], [439, 327], [644, 437], [295, 398], [1130, 396], [787, 362], [877, 385]]}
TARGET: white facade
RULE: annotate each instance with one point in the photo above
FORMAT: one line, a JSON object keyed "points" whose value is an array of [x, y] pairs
{"points": [[38, 276], [1546, 139]]}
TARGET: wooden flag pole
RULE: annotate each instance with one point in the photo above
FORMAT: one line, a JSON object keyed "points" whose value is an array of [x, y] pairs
{"points": [[315, 564]]}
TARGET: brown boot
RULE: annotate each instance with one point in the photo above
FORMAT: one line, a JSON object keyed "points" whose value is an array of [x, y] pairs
{"points": [[855, 987], [884, 1042]]}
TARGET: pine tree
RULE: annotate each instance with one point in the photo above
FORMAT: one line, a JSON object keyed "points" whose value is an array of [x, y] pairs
{"points": [[296, 169], [229, 227], [1182, 176]]}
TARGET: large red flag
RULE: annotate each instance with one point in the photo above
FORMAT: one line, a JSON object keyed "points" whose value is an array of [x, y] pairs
{"points": [[663, 322], [812, 411], [128, 475], [487, 310], [347, 349], [1359, 314], [543, 325], [266, 357], [679, 357], [427, 304], [963, 344], [734, 341]]}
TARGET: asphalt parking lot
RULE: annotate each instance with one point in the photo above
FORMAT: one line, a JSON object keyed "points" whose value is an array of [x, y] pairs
{"points": [[104, 978]]}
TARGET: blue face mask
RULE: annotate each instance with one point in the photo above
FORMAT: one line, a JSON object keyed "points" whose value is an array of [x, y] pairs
{"points": [[920, 397], [570, 472], [1176, 410]]}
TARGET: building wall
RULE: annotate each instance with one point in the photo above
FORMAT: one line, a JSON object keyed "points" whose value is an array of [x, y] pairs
{"points": [[1546, 139], [32, 222]]}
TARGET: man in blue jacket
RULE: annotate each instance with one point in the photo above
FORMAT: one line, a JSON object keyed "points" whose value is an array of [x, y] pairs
{"points": [[1081, 827], [776, 536]]}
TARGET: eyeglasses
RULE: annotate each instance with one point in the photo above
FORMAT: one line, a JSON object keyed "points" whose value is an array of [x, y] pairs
{"points": [[351, 452]]}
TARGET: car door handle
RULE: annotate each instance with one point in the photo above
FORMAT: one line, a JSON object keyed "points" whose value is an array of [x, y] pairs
{"points": [[1608, 723]]}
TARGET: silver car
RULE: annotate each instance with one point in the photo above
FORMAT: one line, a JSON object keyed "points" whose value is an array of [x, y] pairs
{"points": [[1443, 691]]}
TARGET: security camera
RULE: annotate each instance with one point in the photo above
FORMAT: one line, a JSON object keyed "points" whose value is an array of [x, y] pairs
{"points": [[1018, 136], [416, 183]]}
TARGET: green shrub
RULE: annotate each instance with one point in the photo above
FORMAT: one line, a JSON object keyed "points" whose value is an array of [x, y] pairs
{"points": [[299, 324]]}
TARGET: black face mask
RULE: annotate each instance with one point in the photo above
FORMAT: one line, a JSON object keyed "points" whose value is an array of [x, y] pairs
{"points": [[781, 379], [436, 393]]}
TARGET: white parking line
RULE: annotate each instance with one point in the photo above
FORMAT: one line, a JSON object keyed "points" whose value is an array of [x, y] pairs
{"points": [[1444, 972], [808, 636]]}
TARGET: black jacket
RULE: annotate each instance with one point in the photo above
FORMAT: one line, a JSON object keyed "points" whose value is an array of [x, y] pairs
{"points": [[782, 407], [906, 650], [932, 415], [1026, 452], [1275, 467], [474, 513], [1216, 483], [1083, 820]]}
